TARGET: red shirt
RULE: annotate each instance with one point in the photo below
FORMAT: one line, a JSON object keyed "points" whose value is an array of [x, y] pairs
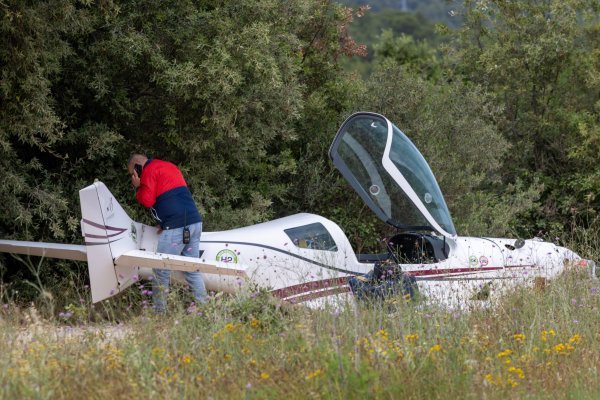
{"points": [[157, 178], [163, 189]]}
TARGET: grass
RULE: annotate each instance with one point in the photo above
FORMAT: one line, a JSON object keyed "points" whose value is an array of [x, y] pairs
{"points": [[533, 344]]}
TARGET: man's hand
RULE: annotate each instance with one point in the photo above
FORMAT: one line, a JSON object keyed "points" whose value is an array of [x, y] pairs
{"points": [[158, 229], [135, 179]]}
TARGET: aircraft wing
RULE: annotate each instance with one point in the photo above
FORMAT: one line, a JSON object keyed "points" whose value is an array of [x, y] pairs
{"points": [[41, 249], [148, 259]]}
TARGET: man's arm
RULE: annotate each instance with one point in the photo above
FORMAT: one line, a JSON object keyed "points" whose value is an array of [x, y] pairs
{"points": [[145, 196], [145, 193]]}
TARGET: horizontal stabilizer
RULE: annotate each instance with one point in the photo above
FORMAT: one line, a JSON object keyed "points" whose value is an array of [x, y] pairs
{"points": [[41, 249], [148, 259]]}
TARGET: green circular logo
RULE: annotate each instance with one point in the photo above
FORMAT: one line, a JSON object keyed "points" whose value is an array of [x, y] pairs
{"points": [[473, 261], [227, 256]]}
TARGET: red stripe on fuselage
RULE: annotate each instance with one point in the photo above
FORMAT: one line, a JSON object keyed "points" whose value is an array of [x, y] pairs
{"points": [[447, 271], [319, 294], [309, 287], [334, 283]]}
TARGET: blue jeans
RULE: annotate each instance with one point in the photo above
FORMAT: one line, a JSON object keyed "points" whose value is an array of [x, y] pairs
{"points": [[170, 241]]}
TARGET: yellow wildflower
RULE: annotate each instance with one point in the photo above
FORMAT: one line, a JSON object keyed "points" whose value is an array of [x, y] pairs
{"points": [[315, 374], [254, 323], [512, 383], [173, 378], [545, 334], [264, 376], [519, 337], [504, 353], [569, 347], [186, 359], [563, 348], [493, 380], [382, 334], [575, 339], [435, 348], [412, 338], [517, 371], [399, 352]]}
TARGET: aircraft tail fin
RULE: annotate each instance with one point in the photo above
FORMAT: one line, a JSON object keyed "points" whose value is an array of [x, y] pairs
{"points": [[108, 232]]}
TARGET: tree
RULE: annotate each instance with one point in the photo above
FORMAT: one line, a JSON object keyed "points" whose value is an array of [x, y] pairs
{"points": [[32, 49], [217, 87], [459, 140], [237, 93], [541, 61], [416, 56]]}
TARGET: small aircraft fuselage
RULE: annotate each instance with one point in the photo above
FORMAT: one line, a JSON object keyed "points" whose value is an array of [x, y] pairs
{"points": [[306, 258]]}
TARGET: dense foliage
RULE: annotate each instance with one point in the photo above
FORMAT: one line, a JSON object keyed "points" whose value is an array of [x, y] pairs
{"points": [[218, 88], [246, 96], [542, 62]]}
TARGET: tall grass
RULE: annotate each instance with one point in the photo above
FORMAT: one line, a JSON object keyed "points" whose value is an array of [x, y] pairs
{"points": [[535, 343]]}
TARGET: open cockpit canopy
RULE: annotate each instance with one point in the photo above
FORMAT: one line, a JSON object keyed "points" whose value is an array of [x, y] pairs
{"points": [[390, 174]]}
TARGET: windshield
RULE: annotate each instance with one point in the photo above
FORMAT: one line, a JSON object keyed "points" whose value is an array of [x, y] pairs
{"points": [[390, 174], [410, 163]]}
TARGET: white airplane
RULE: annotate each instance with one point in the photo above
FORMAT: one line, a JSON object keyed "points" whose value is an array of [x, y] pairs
{"points": [[305, 258]]}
